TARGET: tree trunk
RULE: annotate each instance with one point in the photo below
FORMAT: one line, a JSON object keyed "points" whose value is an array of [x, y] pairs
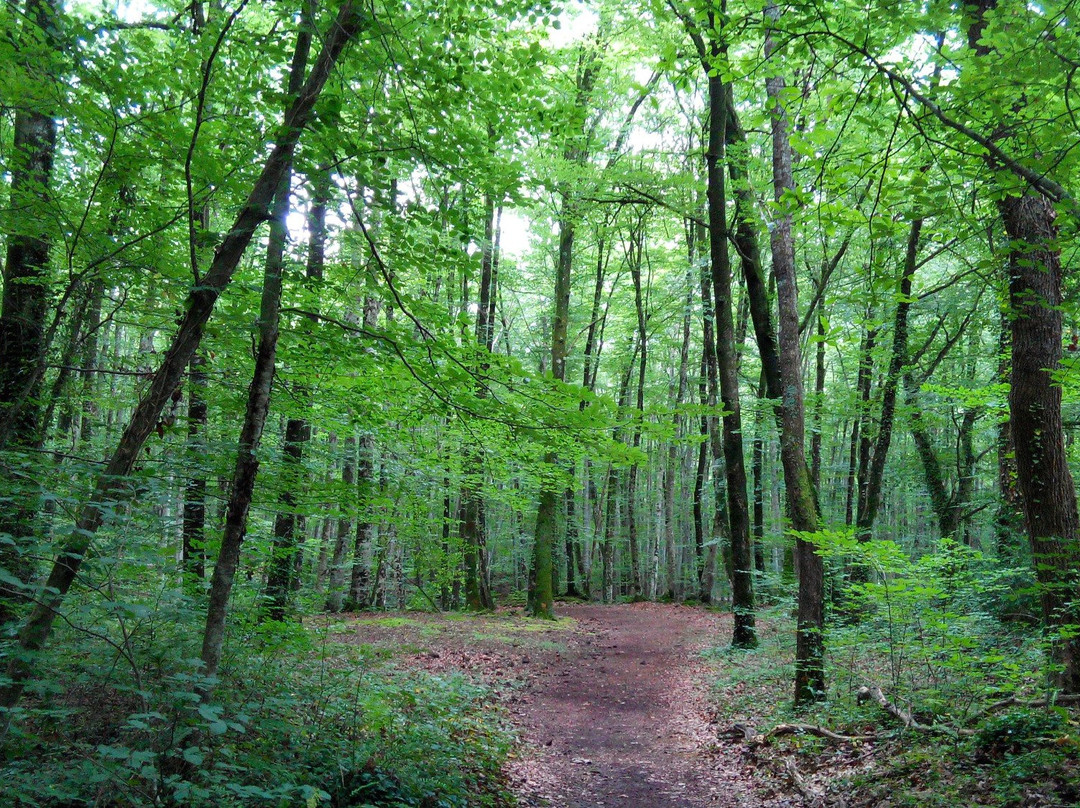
{"points": [[472, 522], [193, 563], [635, 251], [335, 597], [1009, 520], [870, 502], [297, 430], [710, 396], [744, 634], [1043, 476], [859, 458], [541, 595], [1044, 480], [802, 505], [23, 310], [757, 464], [819, 401]]}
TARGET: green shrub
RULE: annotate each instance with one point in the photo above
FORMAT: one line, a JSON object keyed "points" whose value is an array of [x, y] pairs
{"points": [[1020, 730], [295, 720]]}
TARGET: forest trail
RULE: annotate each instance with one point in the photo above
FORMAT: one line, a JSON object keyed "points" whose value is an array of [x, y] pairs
{"points": [[620, 717]]}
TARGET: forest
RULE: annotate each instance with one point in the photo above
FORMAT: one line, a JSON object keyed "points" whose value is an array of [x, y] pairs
{"points": [[316, 314]]}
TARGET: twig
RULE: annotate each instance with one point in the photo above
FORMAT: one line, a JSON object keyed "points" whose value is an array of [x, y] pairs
{"points": [[1061, 698], [813, 796]]}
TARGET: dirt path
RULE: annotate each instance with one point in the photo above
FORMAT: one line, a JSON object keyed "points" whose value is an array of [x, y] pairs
{"points": [[612, 706], [620, 717]]}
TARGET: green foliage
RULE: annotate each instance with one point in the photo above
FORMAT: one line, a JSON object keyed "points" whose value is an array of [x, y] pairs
{"points": [[297, 719], [1020, 730], [934, 633]]}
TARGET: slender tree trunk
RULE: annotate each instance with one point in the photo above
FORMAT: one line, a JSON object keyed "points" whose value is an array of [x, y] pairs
{"points": [[335, 598], [871, 500], [193, 563], [1009, 520], [859, 458], [744, 634], [287, 523], [711, 396], [757, 463], [635, 256], [819, 401], [445, 603], [473, 527], [542, 595], [575, 150], [671, 472], [802, 505], [607, 550]]}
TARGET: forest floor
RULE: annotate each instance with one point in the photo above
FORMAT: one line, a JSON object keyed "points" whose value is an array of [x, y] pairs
{"points": [[611, 702]]}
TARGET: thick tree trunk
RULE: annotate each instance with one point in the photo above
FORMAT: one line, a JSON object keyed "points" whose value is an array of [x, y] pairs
{"points": [[1044, 480], [200, 303], [23, 310]]}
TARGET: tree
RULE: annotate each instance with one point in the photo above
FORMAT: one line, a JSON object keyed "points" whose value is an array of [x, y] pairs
{"points": [[802, 500], [35, 629], [24, 340]]}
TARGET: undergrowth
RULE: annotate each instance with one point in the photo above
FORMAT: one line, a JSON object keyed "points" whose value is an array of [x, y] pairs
{"points": [[936, 635], [297, 720]]}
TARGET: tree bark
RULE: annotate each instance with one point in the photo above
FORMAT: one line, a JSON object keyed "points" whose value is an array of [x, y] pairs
{"points": [[859, 458], [335, 597], [472, 521], [23, 310], [193, 563], [1043, 476], [802, 505], [635, 251], [744, 634]]}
